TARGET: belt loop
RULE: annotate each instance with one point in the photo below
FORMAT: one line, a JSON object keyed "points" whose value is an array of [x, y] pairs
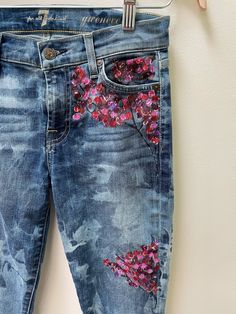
{"points": [[92, 62]]}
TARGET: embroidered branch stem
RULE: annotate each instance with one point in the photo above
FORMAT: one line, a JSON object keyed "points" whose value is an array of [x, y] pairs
{"points": [[136, 127]]}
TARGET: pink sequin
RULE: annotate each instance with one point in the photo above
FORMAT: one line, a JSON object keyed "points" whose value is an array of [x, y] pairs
{"points": [[76, 116], [139, 267]]}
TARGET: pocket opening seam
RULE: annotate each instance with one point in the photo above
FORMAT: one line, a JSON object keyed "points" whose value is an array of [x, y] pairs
{"points": [[122, 87]]}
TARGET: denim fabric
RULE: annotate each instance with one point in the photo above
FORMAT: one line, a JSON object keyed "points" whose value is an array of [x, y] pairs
{"points": [[85, 112]]}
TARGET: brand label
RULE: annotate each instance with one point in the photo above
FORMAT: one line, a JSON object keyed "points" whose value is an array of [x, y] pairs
{"points": [[43, 16], [100, 20]]}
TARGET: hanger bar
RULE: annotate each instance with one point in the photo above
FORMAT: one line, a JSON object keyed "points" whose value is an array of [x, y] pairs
{"points": [[84, 6], [128, 8], [202, 4]]}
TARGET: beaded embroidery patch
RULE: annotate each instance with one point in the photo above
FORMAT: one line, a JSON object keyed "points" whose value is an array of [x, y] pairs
{"points": [[138, 267], [133, 70], [113, 109]]}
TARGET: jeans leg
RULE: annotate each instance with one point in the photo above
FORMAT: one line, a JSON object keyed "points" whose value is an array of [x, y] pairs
{"points": [[24, 182]]}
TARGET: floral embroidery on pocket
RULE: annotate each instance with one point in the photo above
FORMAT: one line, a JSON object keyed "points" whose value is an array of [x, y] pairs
{"points": [[139, 267], [113, 109], [134, 69]]}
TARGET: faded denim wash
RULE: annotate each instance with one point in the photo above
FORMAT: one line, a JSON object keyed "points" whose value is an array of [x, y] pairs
{"points": [[85, 112]]}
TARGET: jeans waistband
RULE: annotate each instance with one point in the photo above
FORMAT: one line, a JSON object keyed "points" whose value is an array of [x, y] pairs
{"points": [[22, 30]]}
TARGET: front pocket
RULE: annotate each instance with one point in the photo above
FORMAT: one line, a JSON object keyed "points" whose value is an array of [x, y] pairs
{"points": [[130, 71], [139, 108]]}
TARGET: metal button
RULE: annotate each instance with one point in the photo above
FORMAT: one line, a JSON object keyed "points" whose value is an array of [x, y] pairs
{"points": [[99, 62], [50, 53]]}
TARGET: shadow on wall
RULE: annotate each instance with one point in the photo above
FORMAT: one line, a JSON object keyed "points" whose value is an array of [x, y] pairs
{"points": [[187, 20]]}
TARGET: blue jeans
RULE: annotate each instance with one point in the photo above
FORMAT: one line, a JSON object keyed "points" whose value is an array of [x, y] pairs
{"points": [[85, 110]]}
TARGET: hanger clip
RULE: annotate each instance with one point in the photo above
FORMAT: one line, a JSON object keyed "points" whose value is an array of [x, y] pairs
{"points": [[129, 15], [202, 4]]}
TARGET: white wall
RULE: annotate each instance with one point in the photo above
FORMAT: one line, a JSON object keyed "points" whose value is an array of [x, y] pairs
{"points": [[203, 77]]}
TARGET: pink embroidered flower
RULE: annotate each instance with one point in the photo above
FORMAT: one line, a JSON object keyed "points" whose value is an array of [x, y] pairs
{"points": [[112, 109], [139, 267]]}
